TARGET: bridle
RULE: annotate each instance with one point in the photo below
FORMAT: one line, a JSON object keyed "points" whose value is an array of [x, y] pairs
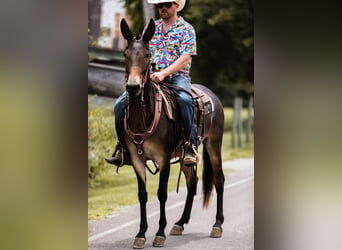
{"points": [[138, 138]]}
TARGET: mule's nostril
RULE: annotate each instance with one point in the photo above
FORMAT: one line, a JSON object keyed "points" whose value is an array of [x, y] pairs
{"points": [[132, 87]]}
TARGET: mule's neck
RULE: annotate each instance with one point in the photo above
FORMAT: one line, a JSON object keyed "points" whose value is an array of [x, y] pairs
{"points": [[141, 109]]}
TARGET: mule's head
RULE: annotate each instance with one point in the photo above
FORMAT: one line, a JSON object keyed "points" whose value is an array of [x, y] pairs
{"points": [[137, 57]]}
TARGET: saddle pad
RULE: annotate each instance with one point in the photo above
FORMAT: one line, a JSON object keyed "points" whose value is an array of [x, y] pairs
{"points": [[167, 106]]}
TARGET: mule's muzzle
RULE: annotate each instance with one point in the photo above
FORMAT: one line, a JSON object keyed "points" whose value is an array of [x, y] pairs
{"points": [[133, 88]]}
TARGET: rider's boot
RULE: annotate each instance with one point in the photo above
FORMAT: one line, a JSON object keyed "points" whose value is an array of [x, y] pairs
{"points": [[191, 156], [120, 156]]}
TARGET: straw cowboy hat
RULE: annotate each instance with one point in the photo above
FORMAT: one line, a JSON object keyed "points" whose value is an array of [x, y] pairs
{"points": [[181, 3]]}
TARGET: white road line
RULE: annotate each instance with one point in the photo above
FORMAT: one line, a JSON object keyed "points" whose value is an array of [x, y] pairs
{"points": [[110, 231], [239, 182]]}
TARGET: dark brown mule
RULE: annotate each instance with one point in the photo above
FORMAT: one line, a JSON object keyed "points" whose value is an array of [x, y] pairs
{"points": [[151, 135]]}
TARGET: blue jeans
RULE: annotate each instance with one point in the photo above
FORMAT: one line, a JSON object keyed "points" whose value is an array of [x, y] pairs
{"points": [[119, 114], [184, 101]]}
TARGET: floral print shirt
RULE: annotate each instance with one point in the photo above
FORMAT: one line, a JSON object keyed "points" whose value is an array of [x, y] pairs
{"points": [[166, 48]]}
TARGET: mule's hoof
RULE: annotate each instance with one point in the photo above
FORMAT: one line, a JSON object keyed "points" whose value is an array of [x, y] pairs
{"points": [[216, 232], [176, 230], [159, 241], [139, 243]]}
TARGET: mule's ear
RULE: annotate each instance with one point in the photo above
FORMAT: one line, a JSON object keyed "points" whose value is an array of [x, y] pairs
{"points": [[149, 32], [125, 31]]}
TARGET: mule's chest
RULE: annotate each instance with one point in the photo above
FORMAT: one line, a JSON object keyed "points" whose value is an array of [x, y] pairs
{"points": [[149, 149]]}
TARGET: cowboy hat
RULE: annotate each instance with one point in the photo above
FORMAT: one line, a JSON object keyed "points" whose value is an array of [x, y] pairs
{"points": [[181, 3]]}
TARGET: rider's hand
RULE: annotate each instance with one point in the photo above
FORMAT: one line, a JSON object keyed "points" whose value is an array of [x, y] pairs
{"points": [[157, 76]]}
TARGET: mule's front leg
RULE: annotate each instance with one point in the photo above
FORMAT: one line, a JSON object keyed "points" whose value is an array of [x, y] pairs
{"points": [[140, 238], [160, 237]]}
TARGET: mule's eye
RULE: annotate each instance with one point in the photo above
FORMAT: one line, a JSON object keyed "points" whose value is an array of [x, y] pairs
{"points": [[147, 55], [125, 55]]}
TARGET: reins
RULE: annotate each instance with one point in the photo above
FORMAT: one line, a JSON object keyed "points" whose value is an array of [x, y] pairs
{"points": [[138, 138]]}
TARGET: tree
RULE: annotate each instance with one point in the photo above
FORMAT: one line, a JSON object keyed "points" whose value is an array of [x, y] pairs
{"points": [[224, 30], [134, 9]]}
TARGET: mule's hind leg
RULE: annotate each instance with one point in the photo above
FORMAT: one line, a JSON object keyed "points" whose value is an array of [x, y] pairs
{"points": [[191, 183], [159, 239], [213, 151]]}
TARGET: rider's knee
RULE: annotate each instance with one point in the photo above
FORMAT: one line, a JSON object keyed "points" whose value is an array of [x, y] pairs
{"points": [[184, 99], [119, 105]]}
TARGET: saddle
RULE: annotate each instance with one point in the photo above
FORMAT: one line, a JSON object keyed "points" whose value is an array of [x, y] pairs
{"points": [[203, 106]]}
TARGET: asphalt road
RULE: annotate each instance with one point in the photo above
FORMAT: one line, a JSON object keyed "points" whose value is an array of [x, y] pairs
{"points": [[118, 231]]}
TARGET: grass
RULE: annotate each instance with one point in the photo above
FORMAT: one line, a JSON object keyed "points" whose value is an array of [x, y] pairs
{"points": [[109, 191], [103, 201]]}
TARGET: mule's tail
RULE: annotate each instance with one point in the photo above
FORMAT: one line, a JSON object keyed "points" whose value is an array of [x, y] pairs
{"points": [[207, 178]]}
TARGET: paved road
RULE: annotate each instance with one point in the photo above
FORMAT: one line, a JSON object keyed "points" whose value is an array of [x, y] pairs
{"points": [[118, 231]]}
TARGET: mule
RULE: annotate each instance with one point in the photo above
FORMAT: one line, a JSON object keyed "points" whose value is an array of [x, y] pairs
{"points": [[151, 135]]}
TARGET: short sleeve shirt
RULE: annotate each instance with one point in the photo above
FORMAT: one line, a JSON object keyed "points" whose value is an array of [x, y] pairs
{"points": [[166, 48]]}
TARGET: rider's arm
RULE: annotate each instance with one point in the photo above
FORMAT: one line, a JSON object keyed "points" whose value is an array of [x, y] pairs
{"points": [[179, 64]]}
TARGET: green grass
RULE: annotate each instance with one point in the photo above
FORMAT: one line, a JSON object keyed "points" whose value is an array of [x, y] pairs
{"points": [[104, 200], [109, 191]]}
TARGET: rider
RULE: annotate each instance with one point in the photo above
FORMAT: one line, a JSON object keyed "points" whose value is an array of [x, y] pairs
{"points": [[173, 44]]}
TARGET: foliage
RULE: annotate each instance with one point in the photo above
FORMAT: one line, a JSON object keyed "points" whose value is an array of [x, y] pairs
{"points": [[91, 42], [134, 9], [225, 42], [101, 139]]}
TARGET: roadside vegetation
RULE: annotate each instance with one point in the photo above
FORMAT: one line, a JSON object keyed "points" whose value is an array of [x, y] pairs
{"points": [[109, 190]]}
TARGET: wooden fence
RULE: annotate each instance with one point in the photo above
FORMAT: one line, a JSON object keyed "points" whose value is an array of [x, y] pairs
{"points": [[237, 125]]}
